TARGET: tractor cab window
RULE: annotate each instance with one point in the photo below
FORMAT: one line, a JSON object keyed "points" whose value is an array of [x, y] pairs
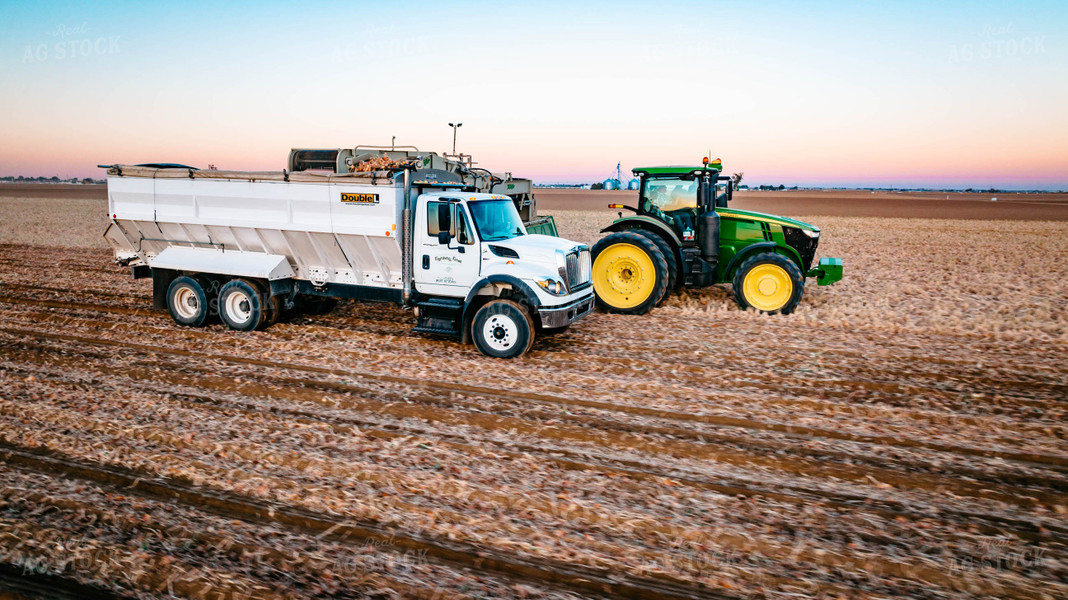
{"points": [[670, 194], [674, 201]]}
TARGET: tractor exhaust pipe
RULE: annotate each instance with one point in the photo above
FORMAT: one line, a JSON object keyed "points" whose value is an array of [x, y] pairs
{"points": [[709, 239]]}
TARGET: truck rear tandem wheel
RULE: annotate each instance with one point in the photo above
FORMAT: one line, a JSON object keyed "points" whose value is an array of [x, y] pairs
{"points": [[241, 305], [630, 273], [188, 301], [770, 283]]}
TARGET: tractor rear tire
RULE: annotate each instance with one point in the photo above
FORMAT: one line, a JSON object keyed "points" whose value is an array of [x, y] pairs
{"points": [[630, 273], [770, 283], [669, 257]]}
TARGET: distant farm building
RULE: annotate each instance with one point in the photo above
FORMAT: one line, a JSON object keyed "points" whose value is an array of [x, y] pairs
{"points": [[616, 183]]}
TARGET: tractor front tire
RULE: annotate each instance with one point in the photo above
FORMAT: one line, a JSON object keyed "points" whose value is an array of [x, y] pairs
{"points": [[770, 283], [630, 273]]}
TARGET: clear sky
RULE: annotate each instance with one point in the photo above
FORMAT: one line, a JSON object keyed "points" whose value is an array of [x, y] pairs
{"points": [[946, 94]]}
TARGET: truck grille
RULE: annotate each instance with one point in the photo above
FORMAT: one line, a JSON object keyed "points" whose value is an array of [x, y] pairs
{"points": [[578, 269]]}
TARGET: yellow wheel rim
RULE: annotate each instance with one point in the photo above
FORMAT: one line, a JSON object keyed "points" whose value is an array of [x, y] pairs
{"points": [[767, 287], [623, 276]]}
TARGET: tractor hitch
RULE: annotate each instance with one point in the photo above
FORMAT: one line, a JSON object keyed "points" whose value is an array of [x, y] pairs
{"points": [[827, 272]]}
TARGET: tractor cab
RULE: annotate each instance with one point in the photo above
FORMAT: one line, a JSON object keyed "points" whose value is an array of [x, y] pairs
{"points": [[679, 195]]}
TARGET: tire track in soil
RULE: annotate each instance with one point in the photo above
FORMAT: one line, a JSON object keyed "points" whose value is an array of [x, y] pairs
{"points": [[522, 398], [948, 388], [889, 568], [834, 393], [748, 443], [159, 382], [217, 549], [568, 576], [621, 351], [812, 432]]}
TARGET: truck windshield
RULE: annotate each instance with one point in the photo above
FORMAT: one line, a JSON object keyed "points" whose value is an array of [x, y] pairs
{"points": [[496, 219]]}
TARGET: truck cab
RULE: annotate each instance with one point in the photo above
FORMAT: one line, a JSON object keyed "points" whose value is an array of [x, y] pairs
{"points": [[471, 250]]}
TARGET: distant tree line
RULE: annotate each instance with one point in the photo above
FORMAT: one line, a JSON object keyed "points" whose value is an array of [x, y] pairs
{"points": [[772, 188], [52, 179]]}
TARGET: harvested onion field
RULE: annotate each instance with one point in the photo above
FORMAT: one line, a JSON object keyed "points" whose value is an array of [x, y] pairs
{"points": [[902, 434]]}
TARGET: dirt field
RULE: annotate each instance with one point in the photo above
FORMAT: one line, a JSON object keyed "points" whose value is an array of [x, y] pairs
{"points": [[843, 203], [902, 434], [846, 203], [68, 191]]}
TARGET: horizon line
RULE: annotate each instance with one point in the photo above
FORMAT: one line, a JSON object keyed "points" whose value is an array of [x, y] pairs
{"points": [[46, 180]]}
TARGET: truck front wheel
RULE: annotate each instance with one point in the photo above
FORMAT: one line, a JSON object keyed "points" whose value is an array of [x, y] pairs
{"points": [[241, 305], [502, 329], [770, 283]]}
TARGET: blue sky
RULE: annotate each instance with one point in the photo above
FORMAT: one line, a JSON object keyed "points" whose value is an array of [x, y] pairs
{"points": [[898, 93]]}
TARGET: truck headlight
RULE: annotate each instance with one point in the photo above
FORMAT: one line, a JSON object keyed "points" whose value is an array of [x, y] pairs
{"points": [[552, 286]]}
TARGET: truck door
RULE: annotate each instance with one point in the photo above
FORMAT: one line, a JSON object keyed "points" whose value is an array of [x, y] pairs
{"points": [[446, 253]]}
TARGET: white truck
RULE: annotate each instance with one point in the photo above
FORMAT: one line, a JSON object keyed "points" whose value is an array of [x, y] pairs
{"points": [[247, 246]]}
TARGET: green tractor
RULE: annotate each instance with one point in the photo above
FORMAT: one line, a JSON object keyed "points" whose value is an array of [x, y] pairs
{"points": [[683, 234]]}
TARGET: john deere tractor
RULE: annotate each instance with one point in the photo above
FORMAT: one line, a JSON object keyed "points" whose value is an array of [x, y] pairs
{"points": [[682, 233]]}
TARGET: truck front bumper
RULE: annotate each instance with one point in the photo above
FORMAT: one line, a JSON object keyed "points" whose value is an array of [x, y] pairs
{"points": [[553, 317], [827, 272]]}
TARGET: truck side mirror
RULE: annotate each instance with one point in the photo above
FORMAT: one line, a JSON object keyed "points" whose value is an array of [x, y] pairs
{"points": [[444, 218], [444, 237]]}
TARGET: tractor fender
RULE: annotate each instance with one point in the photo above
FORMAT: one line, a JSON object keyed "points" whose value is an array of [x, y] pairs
{"points": [[649, 224], [523, 292], [751, 249]]}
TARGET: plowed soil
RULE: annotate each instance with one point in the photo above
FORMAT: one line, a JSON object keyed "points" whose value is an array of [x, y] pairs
{"points": [[902, 434]]}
